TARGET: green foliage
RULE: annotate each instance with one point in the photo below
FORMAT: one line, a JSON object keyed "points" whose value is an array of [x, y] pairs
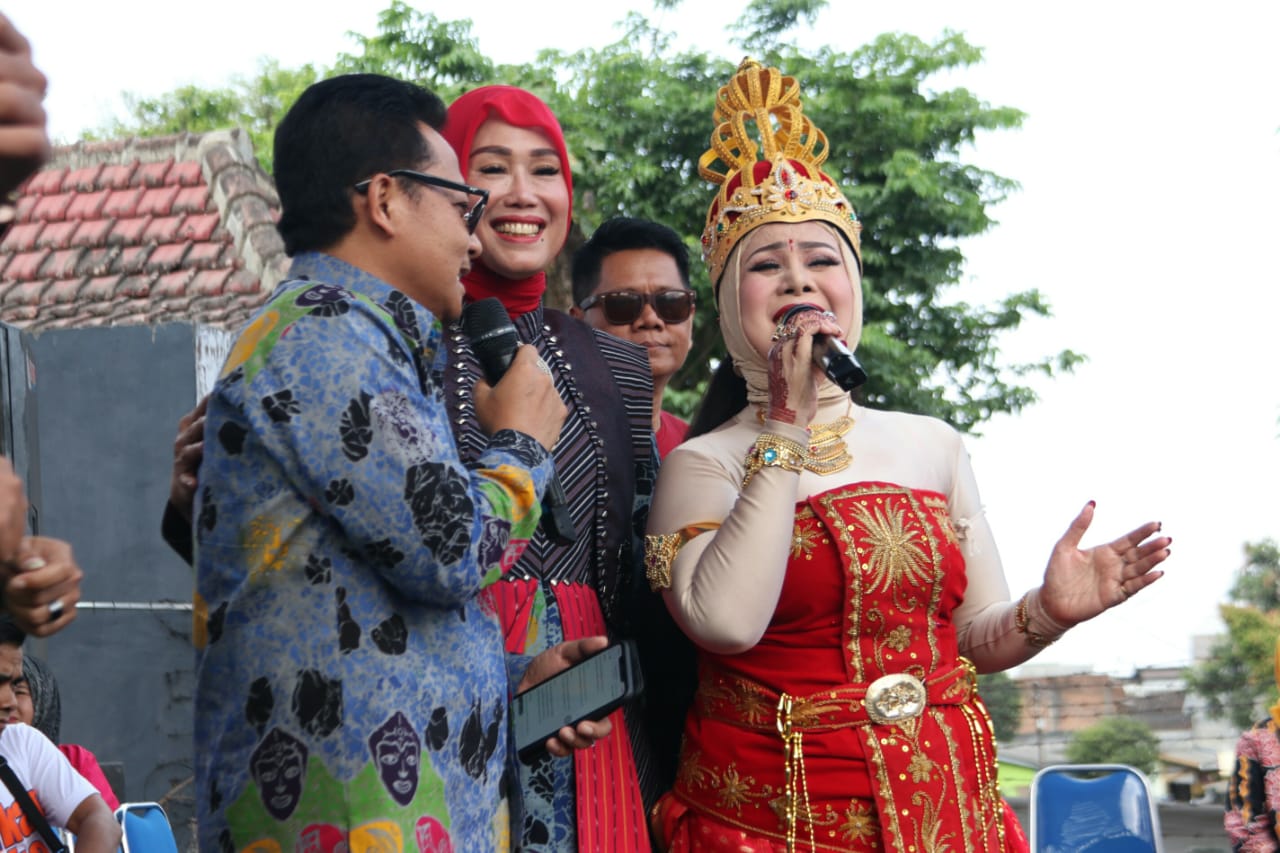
{"points": [[1238, 680], [1117, 740], [255, 103], [637, 116], [1004, 703]]}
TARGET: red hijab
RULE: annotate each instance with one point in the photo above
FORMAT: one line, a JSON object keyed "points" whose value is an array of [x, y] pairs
{"points": [[521, 109]]}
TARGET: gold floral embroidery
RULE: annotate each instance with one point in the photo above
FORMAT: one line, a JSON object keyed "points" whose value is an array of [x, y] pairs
{"points": [[896, 555], [942, 515], [860, 822], [920, 767], [748, 704], [899, 638], [803, 541], [732, 789], [735, 791]]}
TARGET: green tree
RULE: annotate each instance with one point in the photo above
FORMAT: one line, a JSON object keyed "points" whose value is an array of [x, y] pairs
{"points": [[1117, 740], [637, 116], [1003, 699], [255, 103], [1238, 680]]}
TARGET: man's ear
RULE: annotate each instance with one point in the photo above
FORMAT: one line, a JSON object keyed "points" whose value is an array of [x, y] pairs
{"points": [[576, 313], [380, 204]]}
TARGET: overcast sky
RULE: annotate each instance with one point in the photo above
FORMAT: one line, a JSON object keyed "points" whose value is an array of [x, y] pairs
{"points": [[1150, 172]]}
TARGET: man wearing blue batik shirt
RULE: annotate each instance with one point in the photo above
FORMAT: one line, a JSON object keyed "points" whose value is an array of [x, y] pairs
{"points": [[351, 691]]}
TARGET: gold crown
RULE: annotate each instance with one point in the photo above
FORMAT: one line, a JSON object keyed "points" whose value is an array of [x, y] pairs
{"points": [[782, 182]]}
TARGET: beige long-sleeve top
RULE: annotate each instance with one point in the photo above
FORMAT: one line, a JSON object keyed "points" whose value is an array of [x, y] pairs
{"points": [[725, 582]]}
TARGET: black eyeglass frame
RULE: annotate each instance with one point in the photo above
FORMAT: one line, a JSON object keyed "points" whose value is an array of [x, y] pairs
{"points": [[651, 299], [471, 217]]}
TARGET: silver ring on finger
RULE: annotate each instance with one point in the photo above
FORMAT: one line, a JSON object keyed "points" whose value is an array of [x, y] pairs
{"points": [[56, 609], [542, 366]]}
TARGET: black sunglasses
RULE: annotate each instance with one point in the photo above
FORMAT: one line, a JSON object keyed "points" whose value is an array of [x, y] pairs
{"points": [[622, 307], [470, 217]]}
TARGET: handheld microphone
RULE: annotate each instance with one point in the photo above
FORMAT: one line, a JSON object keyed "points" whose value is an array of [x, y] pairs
{"points": [[494, 340], [836, 360]]}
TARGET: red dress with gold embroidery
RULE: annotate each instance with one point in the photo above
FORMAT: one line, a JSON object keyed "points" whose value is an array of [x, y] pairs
{"points": [[785, 740]]}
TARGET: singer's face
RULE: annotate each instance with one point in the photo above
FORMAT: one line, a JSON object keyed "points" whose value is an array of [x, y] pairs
{"points": [[788, 264], [527, 218]]}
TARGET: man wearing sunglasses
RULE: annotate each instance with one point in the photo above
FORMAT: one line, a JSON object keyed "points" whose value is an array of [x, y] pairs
{"points": [[349, 685], [631, 279]]}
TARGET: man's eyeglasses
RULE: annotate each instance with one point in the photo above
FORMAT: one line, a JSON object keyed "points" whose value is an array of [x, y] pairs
{"points": [[470, 217], [622, 307]]}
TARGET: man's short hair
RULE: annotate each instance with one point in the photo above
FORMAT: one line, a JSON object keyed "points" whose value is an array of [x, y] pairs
{"points": [[339, 132], [10, 633], [621, 234]]}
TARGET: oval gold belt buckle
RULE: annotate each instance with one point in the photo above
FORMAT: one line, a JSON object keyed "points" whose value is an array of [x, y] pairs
{"points": [[895, 698]]}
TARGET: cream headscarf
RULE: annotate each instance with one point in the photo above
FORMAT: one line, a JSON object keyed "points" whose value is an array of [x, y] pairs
{"points": [[751, 365]]}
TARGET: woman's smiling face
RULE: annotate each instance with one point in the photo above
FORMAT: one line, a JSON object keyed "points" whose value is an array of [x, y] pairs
{"points": [[527, 220]]}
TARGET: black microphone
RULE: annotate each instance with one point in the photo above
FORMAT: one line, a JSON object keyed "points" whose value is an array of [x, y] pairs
{"points": [[836, 360], [494, 340]]}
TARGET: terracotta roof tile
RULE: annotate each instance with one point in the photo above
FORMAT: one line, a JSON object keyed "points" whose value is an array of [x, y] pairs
{"points": [[200, 227], [207, 255], [25, 205], [176, 228], [46, 182], [122, 203], [128, 231], [117, 176], [96, 262], [53, 207], [21, 237], [62, 292], [186, 174], [132, 259], [100, 289], [92, 232], [162, 230], [167, 257], [152, 174], [192, 200], [172, 286], [82, 180], [87, 205], [157, 201], [57, 235], [209, 282], [25, 266], [26, 293], [62, 264]]}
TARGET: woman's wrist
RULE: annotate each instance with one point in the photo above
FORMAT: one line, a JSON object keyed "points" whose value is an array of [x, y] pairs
{"points": [[1036, 626]]}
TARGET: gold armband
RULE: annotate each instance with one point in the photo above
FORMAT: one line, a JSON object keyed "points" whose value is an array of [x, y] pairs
{"points": [[773, 451], [660, 552], [1022, 622]]}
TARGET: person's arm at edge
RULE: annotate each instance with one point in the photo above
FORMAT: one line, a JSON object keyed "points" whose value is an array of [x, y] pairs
{"points": [[94, 826]]}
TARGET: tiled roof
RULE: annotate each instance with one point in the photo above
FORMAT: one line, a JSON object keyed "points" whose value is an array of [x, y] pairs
{"points": [[143, 231]]}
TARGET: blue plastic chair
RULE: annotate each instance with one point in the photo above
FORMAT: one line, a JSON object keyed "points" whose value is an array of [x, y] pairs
{"points": [[145, 829], [1077, 808]]}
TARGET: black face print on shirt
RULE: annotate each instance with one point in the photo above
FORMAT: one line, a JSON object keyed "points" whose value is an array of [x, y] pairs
{"points": [[279, 767], [395, 750]]}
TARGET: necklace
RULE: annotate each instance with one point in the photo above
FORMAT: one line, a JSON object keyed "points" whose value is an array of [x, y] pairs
{"points": [[827, 451]]}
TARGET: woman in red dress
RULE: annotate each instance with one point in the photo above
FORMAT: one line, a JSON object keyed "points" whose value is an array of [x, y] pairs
{"points": [[832, 562]]}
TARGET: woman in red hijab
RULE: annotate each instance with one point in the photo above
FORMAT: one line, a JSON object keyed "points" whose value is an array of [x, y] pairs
{"points": [[509, 143]]}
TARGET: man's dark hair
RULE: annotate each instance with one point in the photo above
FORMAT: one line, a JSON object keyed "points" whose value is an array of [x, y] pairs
{"points": [[619, 235], [10, 633], [339, 132]]}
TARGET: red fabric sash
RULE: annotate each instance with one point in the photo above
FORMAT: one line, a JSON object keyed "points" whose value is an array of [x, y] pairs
{"points": [[611, 816]]}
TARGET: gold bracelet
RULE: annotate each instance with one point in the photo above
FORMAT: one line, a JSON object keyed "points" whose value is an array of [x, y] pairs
{"points": [[660, 551], [1022, 622], [773, 451]]}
